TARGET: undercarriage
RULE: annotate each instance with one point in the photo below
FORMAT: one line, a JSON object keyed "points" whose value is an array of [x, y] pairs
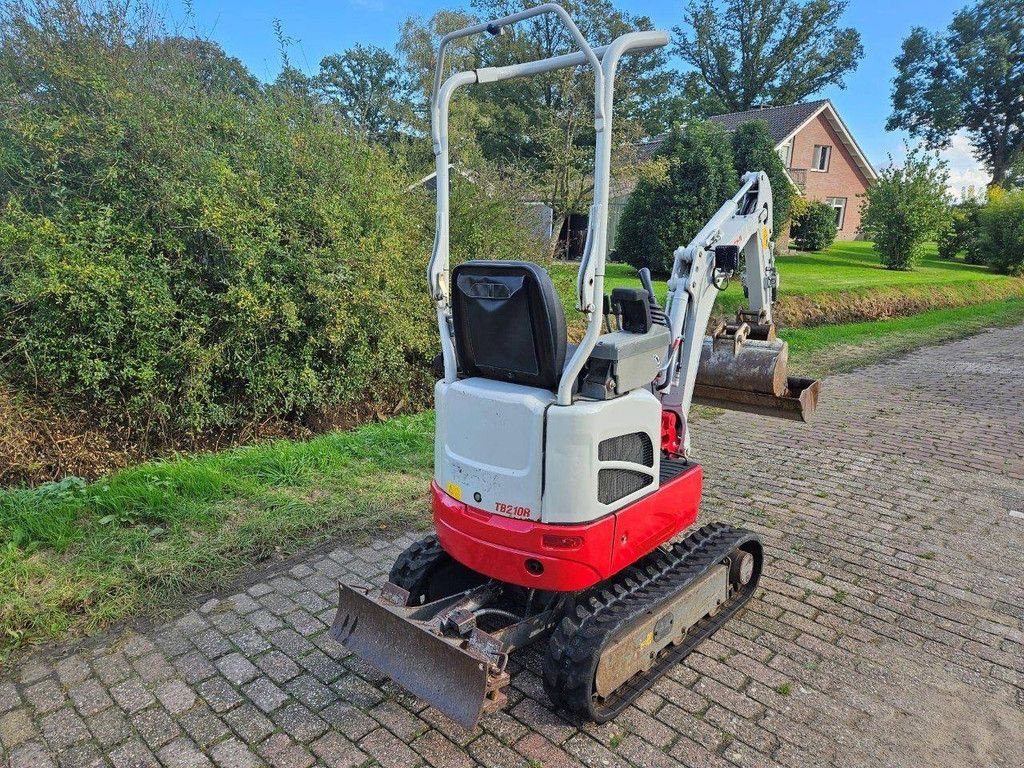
{"points": [[605, 645]]}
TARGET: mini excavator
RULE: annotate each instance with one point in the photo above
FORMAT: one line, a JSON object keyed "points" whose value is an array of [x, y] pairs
{"points": [[564, 493]]}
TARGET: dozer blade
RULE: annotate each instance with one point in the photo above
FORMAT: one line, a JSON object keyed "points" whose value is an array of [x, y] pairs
{"points": [[444, 672]]}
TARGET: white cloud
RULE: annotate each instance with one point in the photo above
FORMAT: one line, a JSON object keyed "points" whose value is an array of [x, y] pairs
{"points": [[964, 169]]}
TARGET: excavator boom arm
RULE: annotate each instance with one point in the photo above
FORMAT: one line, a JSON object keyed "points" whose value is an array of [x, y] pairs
{"points": [[741, 227]]}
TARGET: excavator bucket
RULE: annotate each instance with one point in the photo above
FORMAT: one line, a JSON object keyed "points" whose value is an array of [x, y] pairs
{"points": [[445, 672], [742, 372], [797, 402]]}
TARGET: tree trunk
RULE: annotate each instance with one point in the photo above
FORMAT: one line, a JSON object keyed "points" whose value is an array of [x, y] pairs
{"points": [[556, 232], [999, 170], [782, 238]]}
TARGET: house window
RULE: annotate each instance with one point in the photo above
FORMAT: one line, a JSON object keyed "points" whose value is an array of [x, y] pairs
{"points": [[822, 154], [839, 206]]}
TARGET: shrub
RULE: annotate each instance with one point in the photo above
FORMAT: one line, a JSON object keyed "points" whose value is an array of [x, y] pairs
{"points": [[814, 226], [487, 222], [1001, 225], [187, 250], [754, 150], [667, 211], [961, 232], [905, 207]]}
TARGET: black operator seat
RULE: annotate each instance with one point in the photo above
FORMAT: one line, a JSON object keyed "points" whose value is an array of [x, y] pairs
{"points": [[509, 323]]}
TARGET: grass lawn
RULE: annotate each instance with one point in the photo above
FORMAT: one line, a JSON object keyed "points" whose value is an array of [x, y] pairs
{"points": [[831, 349], [844, 267], [75, 557]]}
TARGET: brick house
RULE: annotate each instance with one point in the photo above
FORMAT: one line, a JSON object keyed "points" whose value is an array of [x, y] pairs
{"points": [[821, 157]]}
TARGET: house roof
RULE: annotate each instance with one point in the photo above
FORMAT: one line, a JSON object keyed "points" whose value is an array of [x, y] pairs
{"points": [[429, 182], [783, 123]]}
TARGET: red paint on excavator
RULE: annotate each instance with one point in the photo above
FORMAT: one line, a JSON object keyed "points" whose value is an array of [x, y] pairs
{"points": [[565, 558]]}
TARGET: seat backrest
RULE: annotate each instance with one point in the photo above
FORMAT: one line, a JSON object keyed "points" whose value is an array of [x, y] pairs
{"points": [[509, 323]]}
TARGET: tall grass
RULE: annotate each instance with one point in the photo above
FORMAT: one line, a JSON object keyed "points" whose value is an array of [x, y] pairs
{"points": [[78, 556]]}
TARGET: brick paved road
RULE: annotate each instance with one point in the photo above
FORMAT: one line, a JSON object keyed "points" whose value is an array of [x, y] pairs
{"points": [[889, 630]]}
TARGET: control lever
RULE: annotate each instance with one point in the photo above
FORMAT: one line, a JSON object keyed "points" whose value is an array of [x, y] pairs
{"points": [[645, 281], [606, 308], [657, 313]]}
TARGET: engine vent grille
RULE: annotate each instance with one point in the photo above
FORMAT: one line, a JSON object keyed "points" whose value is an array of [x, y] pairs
{"points": [[614, 484], [635, 447]]}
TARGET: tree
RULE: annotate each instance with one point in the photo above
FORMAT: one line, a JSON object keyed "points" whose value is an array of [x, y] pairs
{"points": [[417, 51], [543, 125], [1001, 231], [754, 150], [546, 123], [668, 210], [214, 69], [293, 83], [775, 51], [905, 207], [960, 231], [814, 226], [969, 78], [1015, 176], [366, 86]]}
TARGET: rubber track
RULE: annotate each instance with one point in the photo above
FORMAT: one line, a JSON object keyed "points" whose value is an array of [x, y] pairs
{"points": [[576, 645], [413, 568]]}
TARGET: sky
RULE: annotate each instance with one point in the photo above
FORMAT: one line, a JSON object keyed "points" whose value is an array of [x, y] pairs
{"points": [[320, 27]]}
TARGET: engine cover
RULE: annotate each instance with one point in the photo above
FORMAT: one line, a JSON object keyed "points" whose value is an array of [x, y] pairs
{"points": [[600, 455], [508, 449], [489, 445]]}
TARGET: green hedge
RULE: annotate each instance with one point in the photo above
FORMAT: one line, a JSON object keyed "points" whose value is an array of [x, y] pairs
{"points": [[960, 232], [1001, 231], [188, 250]]}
